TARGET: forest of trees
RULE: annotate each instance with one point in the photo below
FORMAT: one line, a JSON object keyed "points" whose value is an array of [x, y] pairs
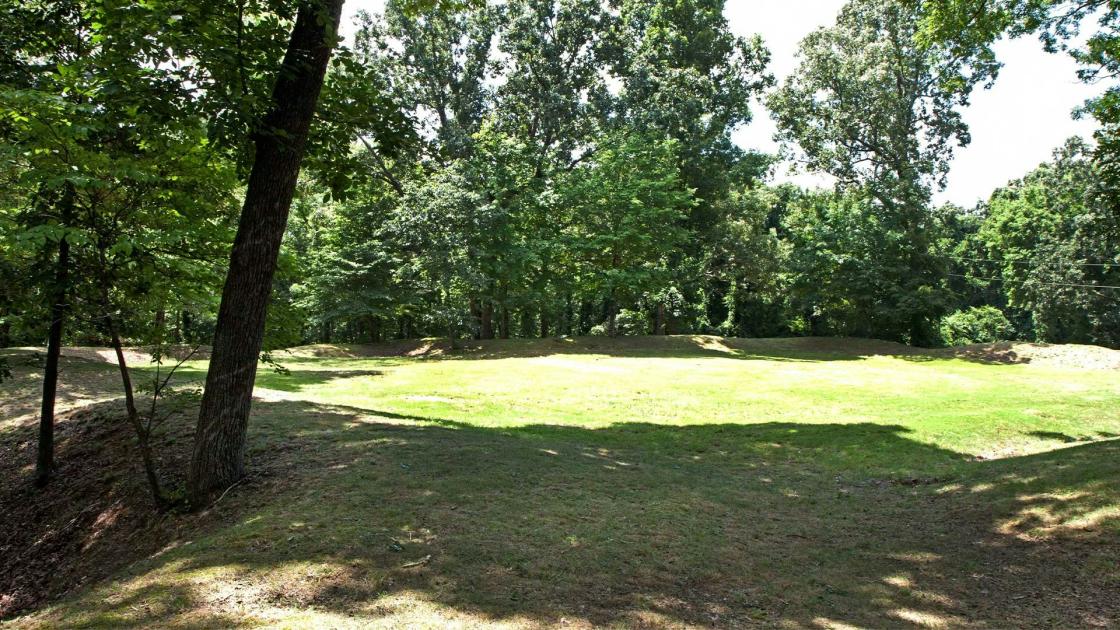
{"points": [[526, 168]]}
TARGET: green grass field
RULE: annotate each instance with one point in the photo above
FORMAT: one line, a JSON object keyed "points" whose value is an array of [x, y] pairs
{"points": [[681, 482]]}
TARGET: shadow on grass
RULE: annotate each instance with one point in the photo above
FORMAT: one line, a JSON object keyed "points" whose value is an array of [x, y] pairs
{"points": [[1071, 439], [376, 518], [1001, 353]]}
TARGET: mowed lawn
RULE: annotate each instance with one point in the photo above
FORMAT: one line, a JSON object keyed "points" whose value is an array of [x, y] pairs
{"points": [[680, 482]]}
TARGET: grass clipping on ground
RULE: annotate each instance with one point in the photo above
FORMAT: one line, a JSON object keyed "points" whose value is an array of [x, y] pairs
{"points": [[659, 482]]}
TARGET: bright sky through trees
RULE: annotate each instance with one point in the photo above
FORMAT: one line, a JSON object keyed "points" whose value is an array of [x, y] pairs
{"points": [[1015, 126]]}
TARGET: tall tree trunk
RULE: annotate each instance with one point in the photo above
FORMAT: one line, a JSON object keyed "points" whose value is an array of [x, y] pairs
{"points": [[659, 321], [373, 328], [545, 324], [44, 461], [476, 315], [160, 324], [486, 320], [503, 323], [219, 447], [610, 309], [586, 313], [453, 333], [526, 323], [177, 329], [185, 316], [568, 315], [920, 331]]}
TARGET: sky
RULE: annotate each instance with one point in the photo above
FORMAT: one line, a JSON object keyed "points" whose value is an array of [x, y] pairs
{"points": [[1014, 126]]}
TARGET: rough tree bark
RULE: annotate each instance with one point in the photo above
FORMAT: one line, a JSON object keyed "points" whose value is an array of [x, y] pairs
{"points": [[44, 462], [219, 447]]}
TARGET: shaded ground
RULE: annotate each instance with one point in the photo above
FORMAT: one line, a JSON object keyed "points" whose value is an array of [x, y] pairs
{"points": [[78, 530], [415, 509]]}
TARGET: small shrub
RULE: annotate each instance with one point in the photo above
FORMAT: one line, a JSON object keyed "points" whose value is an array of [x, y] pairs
{"points": [[632, 322], [979, 324]]}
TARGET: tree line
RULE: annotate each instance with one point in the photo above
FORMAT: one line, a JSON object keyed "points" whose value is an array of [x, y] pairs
{"points": [[225, 173], [634, 213]]}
